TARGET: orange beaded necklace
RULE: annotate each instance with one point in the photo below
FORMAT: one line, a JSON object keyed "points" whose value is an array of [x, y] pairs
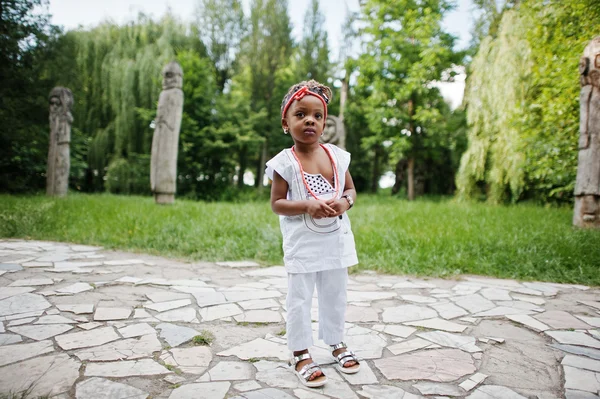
{"points": [[335, 173]]}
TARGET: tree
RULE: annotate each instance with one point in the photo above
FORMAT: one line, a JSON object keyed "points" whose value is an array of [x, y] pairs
{"points": [[26, 39], [117, 84], [267, 51], [522, 102], [221, 25], [406, 51], [313, 51]]}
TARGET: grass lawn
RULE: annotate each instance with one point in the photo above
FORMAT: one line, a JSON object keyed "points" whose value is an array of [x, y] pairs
{"points": [[426, 237]]}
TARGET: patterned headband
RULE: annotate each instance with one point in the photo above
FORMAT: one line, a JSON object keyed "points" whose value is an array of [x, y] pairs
{"points": [[299, 92]]}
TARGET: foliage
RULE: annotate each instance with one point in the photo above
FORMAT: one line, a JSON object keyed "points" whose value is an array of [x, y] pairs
{"points": [[406, 51], [424, 237], [26, 41], [266, 51], [313, 51], [522, 104], [221, 25]]}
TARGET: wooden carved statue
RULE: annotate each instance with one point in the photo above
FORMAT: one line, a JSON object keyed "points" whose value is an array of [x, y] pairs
{"points": [[59, 163], [587, 186], [163, 166], [334, 132]]}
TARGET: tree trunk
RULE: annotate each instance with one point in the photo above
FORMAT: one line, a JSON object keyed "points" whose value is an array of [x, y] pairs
{"points": [[261, 171], [243, 160], [411, 179], [376, 173], [399, 176]]}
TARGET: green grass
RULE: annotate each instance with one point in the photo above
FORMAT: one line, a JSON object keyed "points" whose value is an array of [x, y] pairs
{"points": [[427, 238], [205, 338]]}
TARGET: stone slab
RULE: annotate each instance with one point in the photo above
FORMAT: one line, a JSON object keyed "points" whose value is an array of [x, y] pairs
{"points": [[164, 306], [404, 313], [40, 333], [101, 388], [7, 339], [76, 288], [128, 368], [31, 282], [55, 319], [438, 388], [529, 321], [47, 376], [230, 371], [441, 365], [256, 349], [258, 316], [125, 349], [176, 335], [462, 342], [86, 339], [581, 362], [494, 392], [582, 380], [578, 350], [185, 315], [192, 360], [219, 312], [204, 390], [574, 338], [23, 303], [136, 330], [560, 320], [17, 352], [82, 308], [438, 324], [104, 314], [6, 292]]}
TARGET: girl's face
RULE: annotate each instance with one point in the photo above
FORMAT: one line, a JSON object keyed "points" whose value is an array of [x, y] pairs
{"points": [[305, 120]]}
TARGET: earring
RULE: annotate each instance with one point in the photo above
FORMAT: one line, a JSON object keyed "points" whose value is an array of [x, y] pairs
{"points": [[286, 131]]}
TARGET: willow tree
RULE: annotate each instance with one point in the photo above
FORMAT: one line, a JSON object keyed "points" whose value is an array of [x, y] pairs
{"points": [[119, 70], [523, 105], [495, 98]]}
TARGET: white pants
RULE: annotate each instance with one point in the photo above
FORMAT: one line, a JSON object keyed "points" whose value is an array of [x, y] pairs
{"points": [[331, 291]]}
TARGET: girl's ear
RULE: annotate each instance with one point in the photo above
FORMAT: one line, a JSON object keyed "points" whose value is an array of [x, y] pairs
{"points": [[285, 125]]}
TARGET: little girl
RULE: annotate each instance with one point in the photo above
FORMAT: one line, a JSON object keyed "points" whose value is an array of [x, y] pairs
{"points": [[312, 190]]}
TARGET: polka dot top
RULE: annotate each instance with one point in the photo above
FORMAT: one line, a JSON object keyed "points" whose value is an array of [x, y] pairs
{"points": [[318, 184]]}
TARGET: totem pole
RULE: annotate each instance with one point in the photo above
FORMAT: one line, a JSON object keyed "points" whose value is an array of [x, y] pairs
{"points": [[163, 166], [59, 163], [334, 131], [587, 185]]}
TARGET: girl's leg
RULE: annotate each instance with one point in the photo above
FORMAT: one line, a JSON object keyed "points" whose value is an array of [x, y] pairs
{"points": [[331, 289], [298, 328], [299, 300]]}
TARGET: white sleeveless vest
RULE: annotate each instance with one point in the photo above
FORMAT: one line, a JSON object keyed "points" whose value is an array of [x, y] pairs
{"points": [[312, 245]]}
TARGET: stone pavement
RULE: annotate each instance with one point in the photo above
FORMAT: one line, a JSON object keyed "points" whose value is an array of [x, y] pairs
{"points": [[82, 322]]}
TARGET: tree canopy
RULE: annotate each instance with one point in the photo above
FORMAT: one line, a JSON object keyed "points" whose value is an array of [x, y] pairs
{"points": [[513, 139]]}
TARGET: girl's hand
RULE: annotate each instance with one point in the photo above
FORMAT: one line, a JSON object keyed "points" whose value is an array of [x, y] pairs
{"points": [[338, 205], [319, 209]]}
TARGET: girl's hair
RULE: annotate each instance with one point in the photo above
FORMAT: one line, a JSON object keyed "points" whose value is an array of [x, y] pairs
{"points": [[313, 86]]}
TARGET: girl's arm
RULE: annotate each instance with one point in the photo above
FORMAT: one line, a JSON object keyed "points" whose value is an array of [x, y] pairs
{"points": [[282, 206], [341, 205]]}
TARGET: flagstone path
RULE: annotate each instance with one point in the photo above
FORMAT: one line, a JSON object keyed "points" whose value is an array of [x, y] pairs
{"points": [[82, 322]]}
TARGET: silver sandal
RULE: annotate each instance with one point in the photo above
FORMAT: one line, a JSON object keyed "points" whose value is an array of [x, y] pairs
{"points": [[344, 358], [305, 372]]}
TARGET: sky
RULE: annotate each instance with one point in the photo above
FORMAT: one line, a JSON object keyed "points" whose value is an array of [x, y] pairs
{"points": [[87, 13]]}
